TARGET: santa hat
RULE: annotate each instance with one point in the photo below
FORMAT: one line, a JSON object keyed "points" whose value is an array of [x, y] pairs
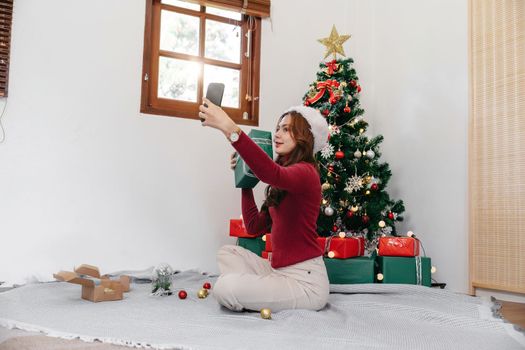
{"points": [[318, 125]]}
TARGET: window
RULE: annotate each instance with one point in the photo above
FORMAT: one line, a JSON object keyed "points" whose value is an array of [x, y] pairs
{"points": [[187, 45], [6, 18]]}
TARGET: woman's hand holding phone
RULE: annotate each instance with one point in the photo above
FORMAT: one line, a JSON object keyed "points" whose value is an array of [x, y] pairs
{"points": [[215, 117]]}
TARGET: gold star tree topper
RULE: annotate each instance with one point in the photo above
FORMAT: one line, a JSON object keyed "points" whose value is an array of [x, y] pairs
{"points": [[334, 43]]}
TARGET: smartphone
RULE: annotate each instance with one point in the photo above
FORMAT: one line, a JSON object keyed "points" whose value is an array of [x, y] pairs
{"points": [[215, 92]]}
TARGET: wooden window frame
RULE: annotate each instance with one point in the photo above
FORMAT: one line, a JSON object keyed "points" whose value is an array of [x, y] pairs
{"points": [[249, 67], [6, 20]]}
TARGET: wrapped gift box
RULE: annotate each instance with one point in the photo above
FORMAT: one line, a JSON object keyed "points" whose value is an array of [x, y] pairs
{"points": [[266, 254], [398, 246], [244, 177], [268, 239], [350, 271], [405, 270], [342, 248], [237, 229], [255, 245]]}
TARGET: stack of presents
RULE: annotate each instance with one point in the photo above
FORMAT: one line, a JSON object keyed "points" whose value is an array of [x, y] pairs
{"points": [[396, 260]]}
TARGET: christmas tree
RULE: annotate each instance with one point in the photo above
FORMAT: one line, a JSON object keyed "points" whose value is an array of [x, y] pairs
{"points": [[355, 201]]}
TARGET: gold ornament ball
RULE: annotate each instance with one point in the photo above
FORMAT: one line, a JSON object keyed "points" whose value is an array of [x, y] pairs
{"points": [[203, 293], [380, 276], [367, 192], [331, 254], [433, 269], [361, 131], [324, 201], [325, 186], [266, 314], [381, 224], [342, 234], [354, 208]]}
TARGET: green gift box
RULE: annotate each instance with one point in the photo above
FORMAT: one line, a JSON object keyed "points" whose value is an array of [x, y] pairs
{"points": [[255, 245], [244, 177], [351, 270], [405, 270]]}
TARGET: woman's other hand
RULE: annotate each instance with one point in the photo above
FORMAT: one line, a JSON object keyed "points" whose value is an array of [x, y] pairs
{"points": [[214, 116], [233, 160]]}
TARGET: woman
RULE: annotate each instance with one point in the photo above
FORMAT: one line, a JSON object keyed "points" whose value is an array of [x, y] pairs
{"points": [[296, 277]]}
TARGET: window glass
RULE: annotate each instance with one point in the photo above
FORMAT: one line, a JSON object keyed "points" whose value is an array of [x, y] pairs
{"points": [[179, 33], [224, 13], [184, 4], [178, 79], [223, 41], [230, 79]]}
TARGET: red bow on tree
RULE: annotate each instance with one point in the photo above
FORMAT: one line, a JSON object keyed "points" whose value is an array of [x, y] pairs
{"points": [[332, 67], [322, 86]]}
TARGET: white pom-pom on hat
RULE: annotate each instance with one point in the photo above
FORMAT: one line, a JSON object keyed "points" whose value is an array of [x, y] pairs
{"points": [[318, 125]]}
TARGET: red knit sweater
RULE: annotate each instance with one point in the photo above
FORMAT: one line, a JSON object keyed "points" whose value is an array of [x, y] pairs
{"points": [[294, 220]]}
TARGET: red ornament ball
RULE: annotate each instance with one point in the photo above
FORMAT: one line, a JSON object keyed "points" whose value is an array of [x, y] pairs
{"points": [[326, 112], [374, 187], [339, 155], [183, 294], [206, 285], [331, 168], [349, 214], [365, 219], [353, 83], [306, 103], [335, 228], [347, 109], [391, 215], [358, 88]]}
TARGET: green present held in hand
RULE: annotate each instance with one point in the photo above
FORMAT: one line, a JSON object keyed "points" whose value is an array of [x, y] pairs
{"points": [[244, 177], [405, 270], [255, 245], [350, 271]]}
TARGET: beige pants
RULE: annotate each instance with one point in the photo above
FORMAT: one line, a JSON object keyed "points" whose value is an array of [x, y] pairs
{"points": [[248, 281]]}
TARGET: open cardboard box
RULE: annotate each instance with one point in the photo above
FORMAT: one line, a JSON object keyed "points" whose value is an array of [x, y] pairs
{"points": [[95, 287]]}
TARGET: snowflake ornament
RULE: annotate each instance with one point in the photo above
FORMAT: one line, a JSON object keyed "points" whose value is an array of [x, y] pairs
{"points": [[334, 129], [327, 151], [355, 183]]}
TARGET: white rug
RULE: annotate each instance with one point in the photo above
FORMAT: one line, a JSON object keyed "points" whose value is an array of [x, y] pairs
{"points": [[366, 316]]}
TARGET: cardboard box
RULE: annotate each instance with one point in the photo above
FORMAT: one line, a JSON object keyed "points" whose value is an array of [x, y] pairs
{"points": [[244, 177], [95, 287]]}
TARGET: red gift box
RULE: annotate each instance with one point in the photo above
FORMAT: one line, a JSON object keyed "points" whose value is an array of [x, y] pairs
{"points": [[342, 248], [266, 255], [268, 239], [398, 246], [237, 229]]}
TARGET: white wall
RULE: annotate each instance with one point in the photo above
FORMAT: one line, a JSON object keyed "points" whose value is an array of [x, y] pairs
{"points": [[420, 106], [85, 178]]}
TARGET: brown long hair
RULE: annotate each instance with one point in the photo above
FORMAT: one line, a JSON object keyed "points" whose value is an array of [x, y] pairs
{"points": [[303, 152]]}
